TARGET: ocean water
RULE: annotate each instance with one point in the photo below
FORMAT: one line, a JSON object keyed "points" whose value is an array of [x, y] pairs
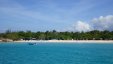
{"points": [[56, 53]]}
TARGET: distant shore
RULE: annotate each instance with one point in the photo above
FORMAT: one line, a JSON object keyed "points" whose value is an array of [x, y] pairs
{"points": [[67, 41], [63, 41]]}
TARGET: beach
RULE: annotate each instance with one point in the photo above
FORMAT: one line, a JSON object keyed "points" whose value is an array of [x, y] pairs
{"points": [[66, 41]]}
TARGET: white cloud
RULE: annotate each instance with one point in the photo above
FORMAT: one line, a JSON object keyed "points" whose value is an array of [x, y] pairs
{"points": [[82, 26], [103, 23]]}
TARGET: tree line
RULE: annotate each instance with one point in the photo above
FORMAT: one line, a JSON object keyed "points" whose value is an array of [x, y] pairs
{"points": [[50, 35]]}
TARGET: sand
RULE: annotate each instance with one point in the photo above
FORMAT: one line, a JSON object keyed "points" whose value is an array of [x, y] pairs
{"points": [[68, 41]]}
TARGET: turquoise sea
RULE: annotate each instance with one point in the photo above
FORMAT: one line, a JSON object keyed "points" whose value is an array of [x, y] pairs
{"points": [[56, 53]]}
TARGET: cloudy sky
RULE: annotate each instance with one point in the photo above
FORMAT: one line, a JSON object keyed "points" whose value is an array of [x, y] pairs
{"points": [[61, 15]]}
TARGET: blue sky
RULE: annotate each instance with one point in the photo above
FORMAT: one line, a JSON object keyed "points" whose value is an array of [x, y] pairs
{"points": [[61, 15]]}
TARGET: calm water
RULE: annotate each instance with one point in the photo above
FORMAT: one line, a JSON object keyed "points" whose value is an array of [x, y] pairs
{"points": [[56, 53]]}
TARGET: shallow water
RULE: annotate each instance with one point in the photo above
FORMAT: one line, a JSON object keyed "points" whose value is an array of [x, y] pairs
{"points": [[56, 53]]}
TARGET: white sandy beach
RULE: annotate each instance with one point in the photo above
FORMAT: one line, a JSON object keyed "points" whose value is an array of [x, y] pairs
{"points": [[68, 41]]}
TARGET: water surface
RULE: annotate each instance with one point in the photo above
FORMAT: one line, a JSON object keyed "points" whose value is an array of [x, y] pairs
{"points": [[56, 53]]}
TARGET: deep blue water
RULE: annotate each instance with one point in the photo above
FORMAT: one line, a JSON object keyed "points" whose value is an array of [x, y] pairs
{"points": [[79, 53]]}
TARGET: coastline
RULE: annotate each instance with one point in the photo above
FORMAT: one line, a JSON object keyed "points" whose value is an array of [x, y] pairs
{"points": [[66, 41]]}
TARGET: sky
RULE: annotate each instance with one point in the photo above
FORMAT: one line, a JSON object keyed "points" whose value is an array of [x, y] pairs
{"points": [[60, 15]]}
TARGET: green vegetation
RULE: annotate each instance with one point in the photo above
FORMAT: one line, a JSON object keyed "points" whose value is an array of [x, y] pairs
{"points": [[49, 35]]}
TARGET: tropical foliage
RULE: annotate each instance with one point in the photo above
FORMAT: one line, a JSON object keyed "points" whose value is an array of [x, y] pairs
{"points": [[49, 35]]}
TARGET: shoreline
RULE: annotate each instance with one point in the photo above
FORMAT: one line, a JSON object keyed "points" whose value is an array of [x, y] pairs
{"points": [[66, 41]]}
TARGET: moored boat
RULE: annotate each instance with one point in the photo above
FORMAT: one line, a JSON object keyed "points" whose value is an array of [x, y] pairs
{"points": [[32, 43]]}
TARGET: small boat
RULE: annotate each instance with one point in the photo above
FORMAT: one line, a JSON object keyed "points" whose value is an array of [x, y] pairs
{"points": [[32, 43]]}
